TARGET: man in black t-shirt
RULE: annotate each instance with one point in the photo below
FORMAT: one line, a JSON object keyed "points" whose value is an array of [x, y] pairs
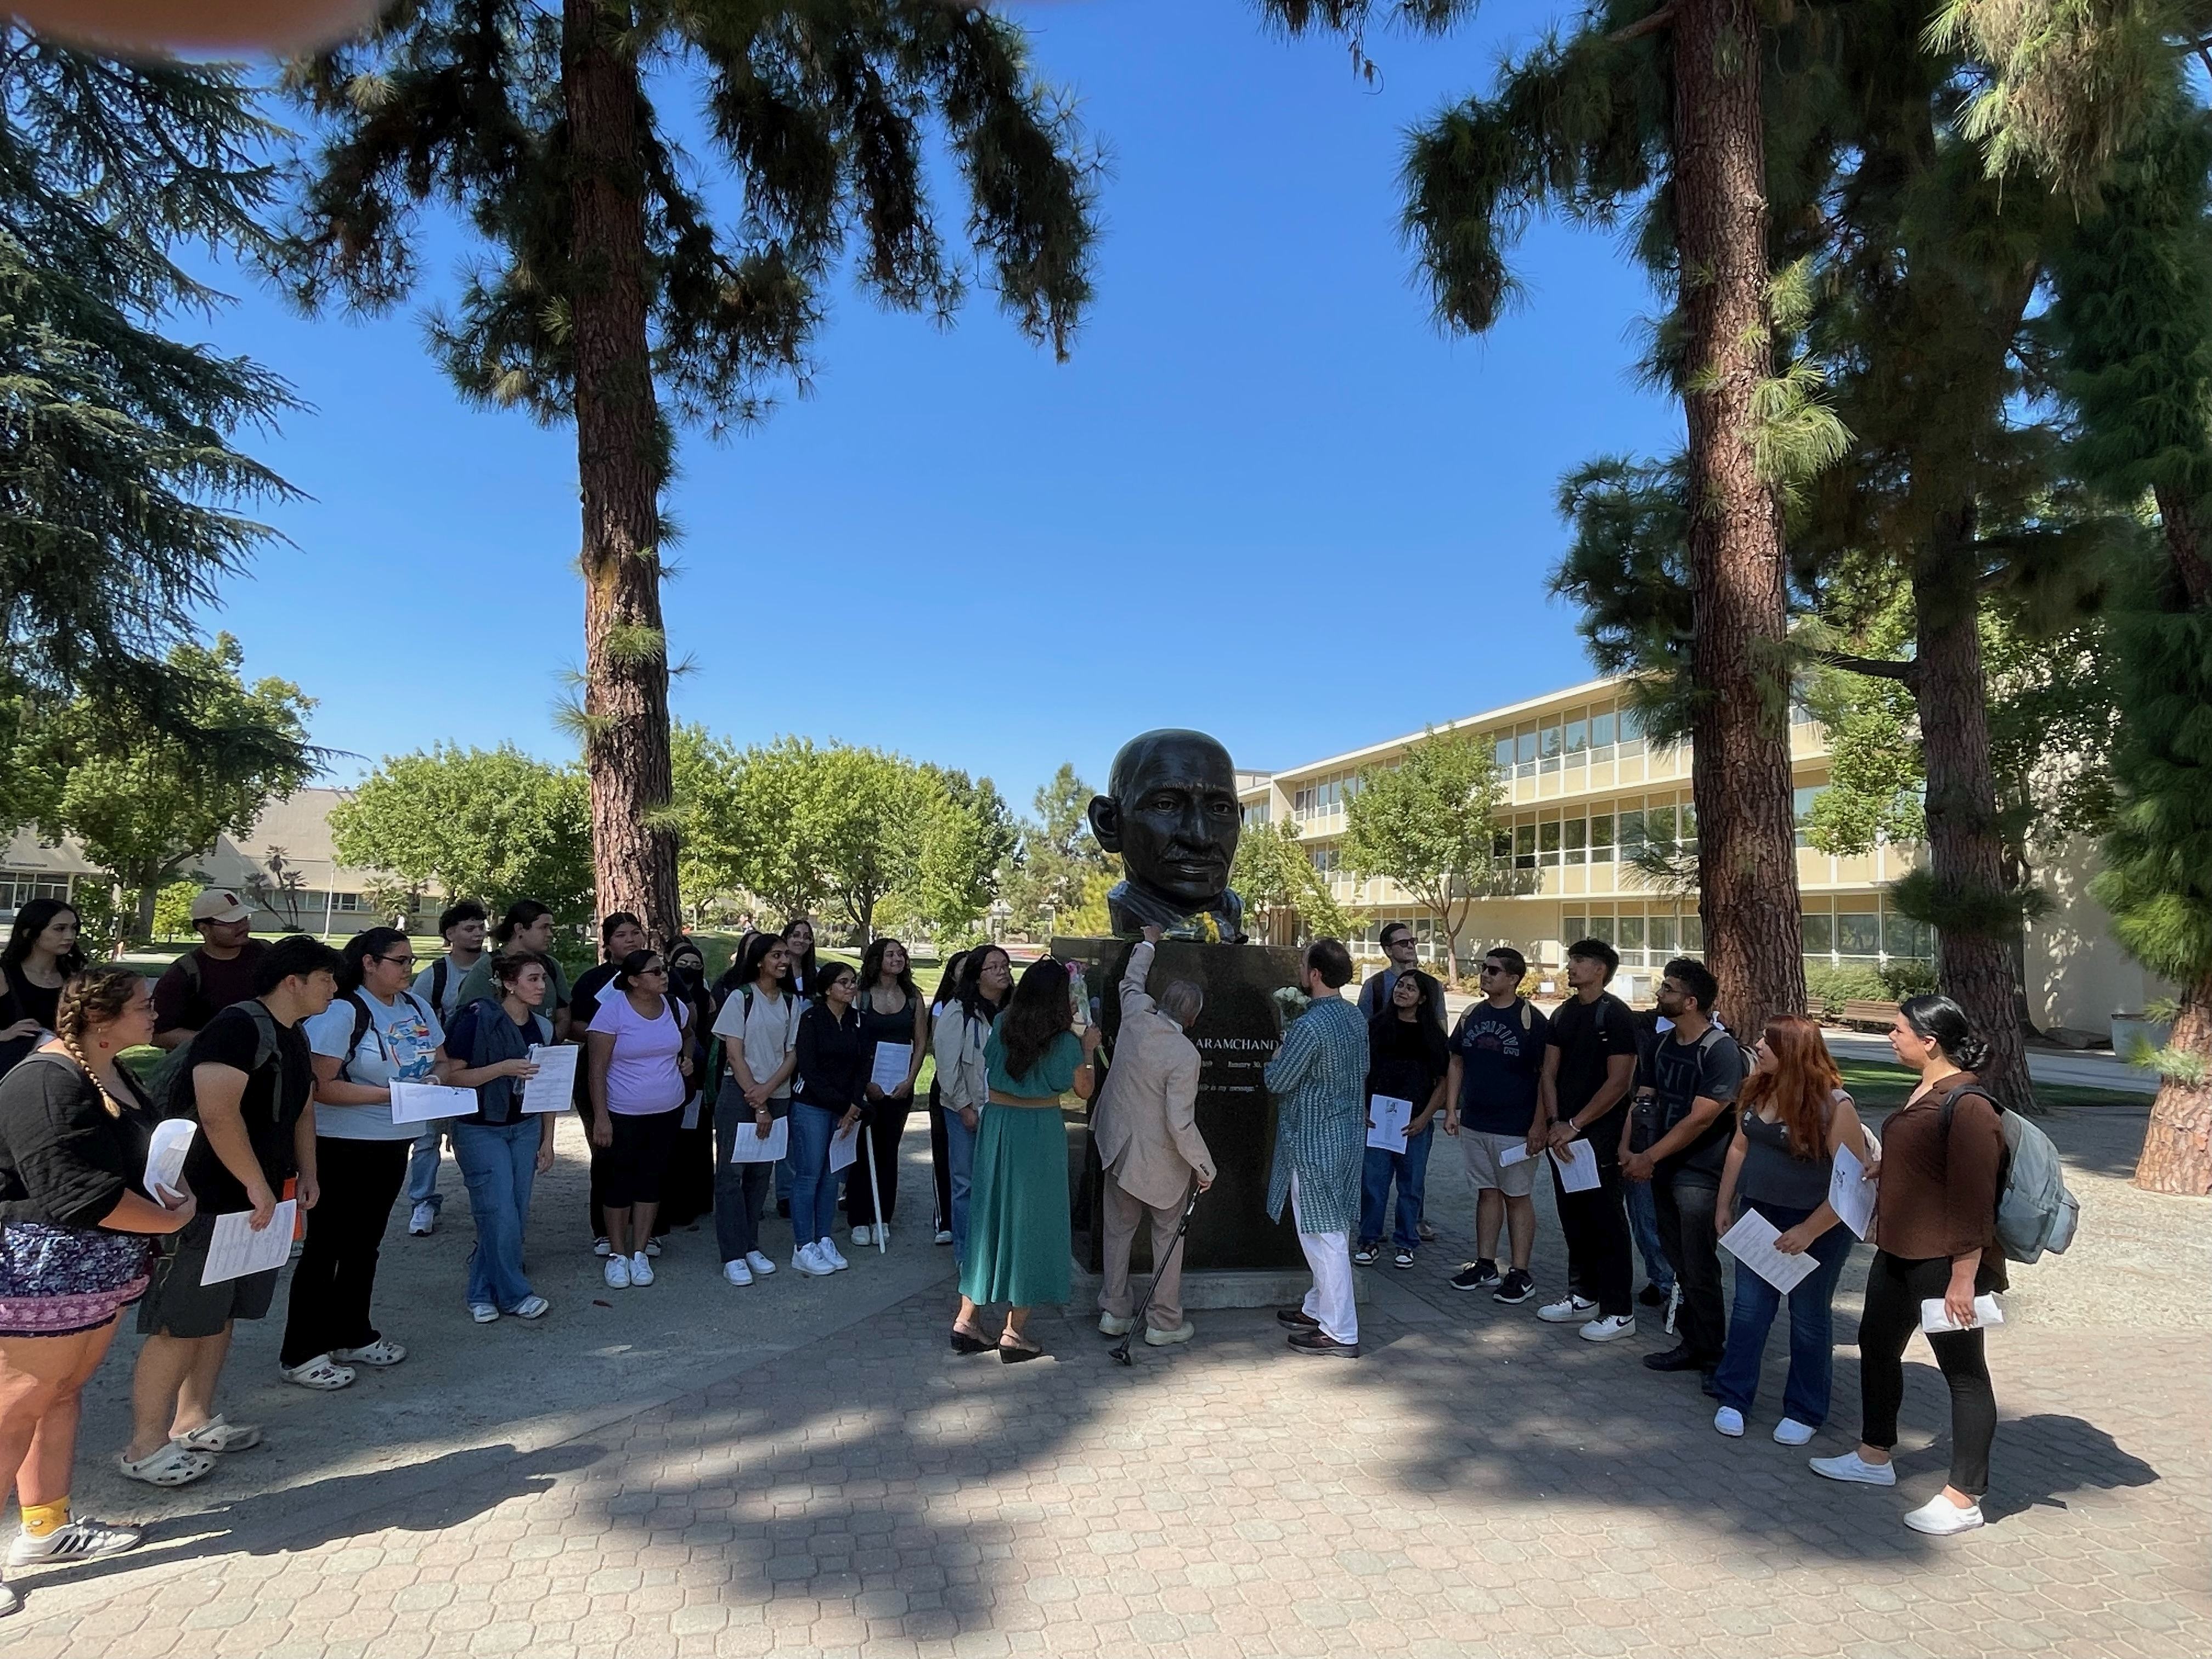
{"points": [[251, 1086], [1492, 1108], [1589, 1071], [1694, 1071]]}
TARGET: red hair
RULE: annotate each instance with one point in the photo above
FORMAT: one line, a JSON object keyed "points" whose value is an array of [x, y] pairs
{"points": [[1802, 1085]]}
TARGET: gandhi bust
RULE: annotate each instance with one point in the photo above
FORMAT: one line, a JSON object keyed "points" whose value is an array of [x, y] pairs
{"points": [[1170, 811]]}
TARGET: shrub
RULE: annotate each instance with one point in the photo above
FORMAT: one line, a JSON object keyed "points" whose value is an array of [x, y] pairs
{"points": [[1827, 988]]}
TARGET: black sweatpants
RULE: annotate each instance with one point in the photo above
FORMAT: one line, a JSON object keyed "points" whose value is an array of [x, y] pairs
{"points": [[1896, 1287], [1687, 1206], [1595, 1223], [883, 1122], [337, 1272], [940, 1164]]}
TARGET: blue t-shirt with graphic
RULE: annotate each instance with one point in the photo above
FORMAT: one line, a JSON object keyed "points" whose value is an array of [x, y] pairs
{"points": [[1501, 1055], [399, 1045]]}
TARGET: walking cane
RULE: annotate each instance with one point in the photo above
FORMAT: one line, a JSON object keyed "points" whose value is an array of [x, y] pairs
{"points": [[875, 1191], [1120, 1350]]}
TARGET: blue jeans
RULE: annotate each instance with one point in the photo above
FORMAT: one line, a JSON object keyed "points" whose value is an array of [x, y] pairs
{"points": [[1812, 1327], [960, 1161], [1411, 1168], [813, 1188], [1643, 1222], [499, 1164], [422, 1165]]}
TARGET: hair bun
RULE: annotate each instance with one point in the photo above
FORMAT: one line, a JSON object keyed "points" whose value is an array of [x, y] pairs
{"points": [[1972, 1055]]}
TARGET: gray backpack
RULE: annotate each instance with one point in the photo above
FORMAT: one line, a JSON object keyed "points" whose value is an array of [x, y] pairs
{"points": [[2035, 1210]]}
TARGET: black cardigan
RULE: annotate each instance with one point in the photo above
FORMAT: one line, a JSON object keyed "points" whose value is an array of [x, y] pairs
{"points": [[64, 1160], [833, 1058]]}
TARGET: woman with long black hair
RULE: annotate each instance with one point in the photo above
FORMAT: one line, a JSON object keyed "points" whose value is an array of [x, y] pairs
{"points": [[892, 1012], [1407, 1059], [1935, 1234], [1020, 1239], [375, 1033], [798, 946], [941, 1149], [41, 954], [637, 1059], [963, 1031], [827, 1096]]}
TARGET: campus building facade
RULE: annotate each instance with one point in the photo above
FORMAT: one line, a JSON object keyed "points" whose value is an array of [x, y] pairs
{"points": [[1585, 791]]}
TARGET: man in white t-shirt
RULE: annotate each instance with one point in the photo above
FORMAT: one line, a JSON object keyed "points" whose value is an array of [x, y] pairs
{"points": [[759, 1029], [462, 926], [372, 1035]]}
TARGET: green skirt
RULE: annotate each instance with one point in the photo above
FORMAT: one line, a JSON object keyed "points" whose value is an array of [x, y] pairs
{"points": [[1018, 1243]]}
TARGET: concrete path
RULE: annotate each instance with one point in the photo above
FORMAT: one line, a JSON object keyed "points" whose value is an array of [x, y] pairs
{"points": [[802, 1468]]}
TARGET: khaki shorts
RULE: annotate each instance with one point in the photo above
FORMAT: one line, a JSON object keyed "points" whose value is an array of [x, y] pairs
{"points": [[1481, 1150]]}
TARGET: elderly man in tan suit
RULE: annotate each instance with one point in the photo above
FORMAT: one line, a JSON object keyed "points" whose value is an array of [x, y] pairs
{"points": [[1149, 1143]]}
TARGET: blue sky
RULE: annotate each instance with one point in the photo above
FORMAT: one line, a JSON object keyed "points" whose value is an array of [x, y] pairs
{"points": [[1266, 497]]}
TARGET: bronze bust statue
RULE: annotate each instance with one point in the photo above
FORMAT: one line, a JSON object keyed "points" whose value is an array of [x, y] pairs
{"points": [[1170, 811]]}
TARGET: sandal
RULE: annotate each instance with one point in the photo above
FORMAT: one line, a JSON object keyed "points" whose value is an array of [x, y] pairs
{"points": [[215, 1435], [965, 1341], [320, 1372], [1017, 1351], [381, 1352], [172, 1466]]}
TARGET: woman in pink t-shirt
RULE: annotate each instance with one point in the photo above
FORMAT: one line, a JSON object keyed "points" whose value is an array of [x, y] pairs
{"points": [[637, 1057]]}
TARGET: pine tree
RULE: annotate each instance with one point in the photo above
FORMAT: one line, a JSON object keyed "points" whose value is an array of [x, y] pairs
{"points": [[1658, 112], [613, 297], [120, 492]]}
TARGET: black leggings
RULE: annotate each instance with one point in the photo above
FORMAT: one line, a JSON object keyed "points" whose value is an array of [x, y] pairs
{"points": [[1895, 1289], [885, 1126], [940, 1164]]}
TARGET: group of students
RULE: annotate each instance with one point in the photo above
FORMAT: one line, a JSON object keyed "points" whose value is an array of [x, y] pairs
{"points": [[1684, 1121]]}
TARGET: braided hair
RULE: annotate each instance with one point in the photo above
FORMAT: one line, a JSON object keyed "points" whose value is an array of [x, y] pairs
{"points": [[97, 996]]}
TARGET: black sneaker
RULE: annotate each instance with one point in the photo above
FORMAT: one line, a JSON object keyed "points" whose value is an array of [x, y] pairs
{"points": [[1517, 1288], [1475, 1276], [1652, 1297]]}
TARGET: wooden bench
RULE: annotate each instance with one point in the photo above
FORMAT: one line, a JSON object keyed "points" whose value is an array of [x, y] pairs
{"points": [[1865, 1010]]}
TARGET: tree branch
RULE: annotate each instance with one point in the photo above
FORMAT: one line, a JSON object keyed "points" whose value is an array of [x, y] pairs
{"points": [[1880, 668], [1649, 24]]}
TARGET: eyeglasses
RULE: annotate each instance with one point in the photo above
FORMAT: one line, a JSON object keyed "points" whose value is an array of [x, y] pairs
{"points": [[407, 961]]}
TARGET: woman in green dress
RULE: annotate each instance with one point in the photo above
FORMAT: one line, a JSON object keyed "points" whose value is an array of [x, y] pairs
{"points": [[1018, 1238]]}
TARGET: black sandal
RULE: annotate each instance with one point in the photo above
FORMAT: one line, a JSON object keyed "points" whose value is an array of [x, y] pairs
{"points": [[964, 1344], [1014, 1353]]}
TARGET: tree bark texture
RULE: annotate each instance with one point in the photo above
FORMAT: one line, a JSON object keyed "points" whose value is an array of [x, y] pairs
{"points": [[2184, 543], [1965, 853], [2176, 1154], [620, 466], [1747, 847]]}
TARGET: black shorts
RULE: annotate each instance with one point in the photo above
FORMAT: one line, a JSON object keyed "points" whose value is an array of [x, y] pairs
{"points": [[177, 1304], [633, 1169]]}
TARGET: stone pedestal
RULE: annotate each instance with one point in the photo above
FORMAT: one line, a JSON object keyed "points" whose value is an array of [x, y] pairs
{"points": [[1236, 1035]]}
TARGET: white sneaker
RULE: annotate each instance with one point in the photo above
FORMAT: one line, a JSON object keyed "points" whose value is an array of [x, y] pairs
{"points": [[617, 1272], [736, 1273], [531, 1306], [827, 1249], [1939, 1515], [1728, 1420], [807, 1260], [1567, 1310], [1611, 1328], [944, 1236], [1851, 1467], [86, 1541], [864, 1236], [602, 1247], [483, 1312], [422, 1221], [761, 1265], [1114, 1325], [641, 1269], [1791, 1433]]}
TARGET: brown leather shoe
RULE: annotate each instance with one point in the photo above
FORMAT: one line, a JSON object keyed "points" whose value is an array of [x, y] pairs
{"points": [[1314, 1345], [1296, 1318]]}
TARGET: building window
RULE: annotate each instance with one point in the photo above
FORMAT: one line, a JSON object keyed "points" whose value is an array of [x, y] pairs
{"points": [[1801, 807], [345, 900], [1901, 936], [1259, 812], [1577, 740], [1858, 933], [1819, 932], [1628, 940], [1631, 836], [1301, 803], [1631, 733], [1524, 846], [1505, 756], [1659, 828], [1547, 841], [1662, 938], [1576, 831], [1525, 753], [1693, 936], [1689, 830], [1574, 928], [1547, 748], [1601, 838], [1602, 732], [1501, 847]]}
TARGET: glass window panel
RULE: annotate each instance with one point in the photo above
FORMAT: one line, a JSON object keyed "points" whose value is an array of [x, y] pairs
{"points": [[1524, 846], [1662, 942], [1576, 833], [1501, 846], [1819, 932], [1628, 940], [1527, 750], [1577, 736], [1693, 936], [1858, 932], [1632, 834], [1632, 724], [1601, 837], [1901, 936], [1547, 742], [1572, 928], [1659, 826], [1505, 754], [1601, 732], [1547, 841]]}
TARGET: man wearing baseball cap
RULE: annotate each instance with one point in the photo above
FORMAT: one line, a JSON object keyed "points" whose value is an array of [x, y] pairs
{"points": [[203, 982]]}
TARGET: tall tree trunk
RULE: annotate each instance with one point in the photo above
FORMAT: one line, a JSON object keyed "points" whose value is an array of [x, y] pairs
{"points": [[1746, 848], [620, 461], [2176, 1154], [1966, 853]]}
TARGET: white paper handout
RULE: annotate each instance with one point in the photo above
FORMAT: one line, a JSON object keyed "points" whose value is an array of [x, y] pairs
{"points": [[892, 1059], [749, 1148], [1390, 1118], [1578, 1169], [554, 1088], [426, 1103], [1751, 1242], [1850, 1195], [236, 1250], [164, 1158], [1515, 1152], [1936, 1318], [844, 1147]]}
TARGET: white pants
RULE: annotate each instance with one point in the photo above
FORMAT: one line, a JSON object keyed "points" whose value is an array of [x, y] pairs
{"points": [[1330, 1254]]}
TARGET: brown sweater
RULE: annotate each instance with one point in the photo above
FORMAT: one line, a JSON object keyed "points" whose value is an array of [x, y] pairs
{"points": [[1935, 1200]]}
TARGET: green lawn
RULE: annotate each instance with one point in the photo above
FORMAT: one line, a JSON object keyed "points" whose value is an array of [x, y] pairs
{"points": [[1883, 1087]]}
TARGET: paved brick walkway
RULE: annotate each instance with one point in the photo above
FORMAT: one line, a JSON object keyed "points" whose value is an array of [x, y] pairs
{"points": [[1481, 1483]]}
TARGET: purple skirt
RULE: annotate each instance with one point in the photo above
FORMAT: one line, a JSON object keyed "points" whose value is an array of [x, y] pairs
{"points": [[58, 1281]]}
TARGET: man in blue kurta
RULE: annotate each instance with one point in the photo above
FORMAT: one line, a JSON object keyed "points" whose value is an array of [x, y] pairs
{"points": [[1317, 1078]]}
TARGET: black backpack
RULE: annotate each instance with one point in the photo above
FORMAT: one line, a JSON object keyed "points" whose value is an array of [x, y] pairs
{"points": [[173, 1082]]}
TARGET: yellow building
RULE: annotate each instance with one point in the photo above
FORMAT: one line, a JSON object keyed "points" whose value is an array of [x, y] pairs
{"points": [[1585, 789]]}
